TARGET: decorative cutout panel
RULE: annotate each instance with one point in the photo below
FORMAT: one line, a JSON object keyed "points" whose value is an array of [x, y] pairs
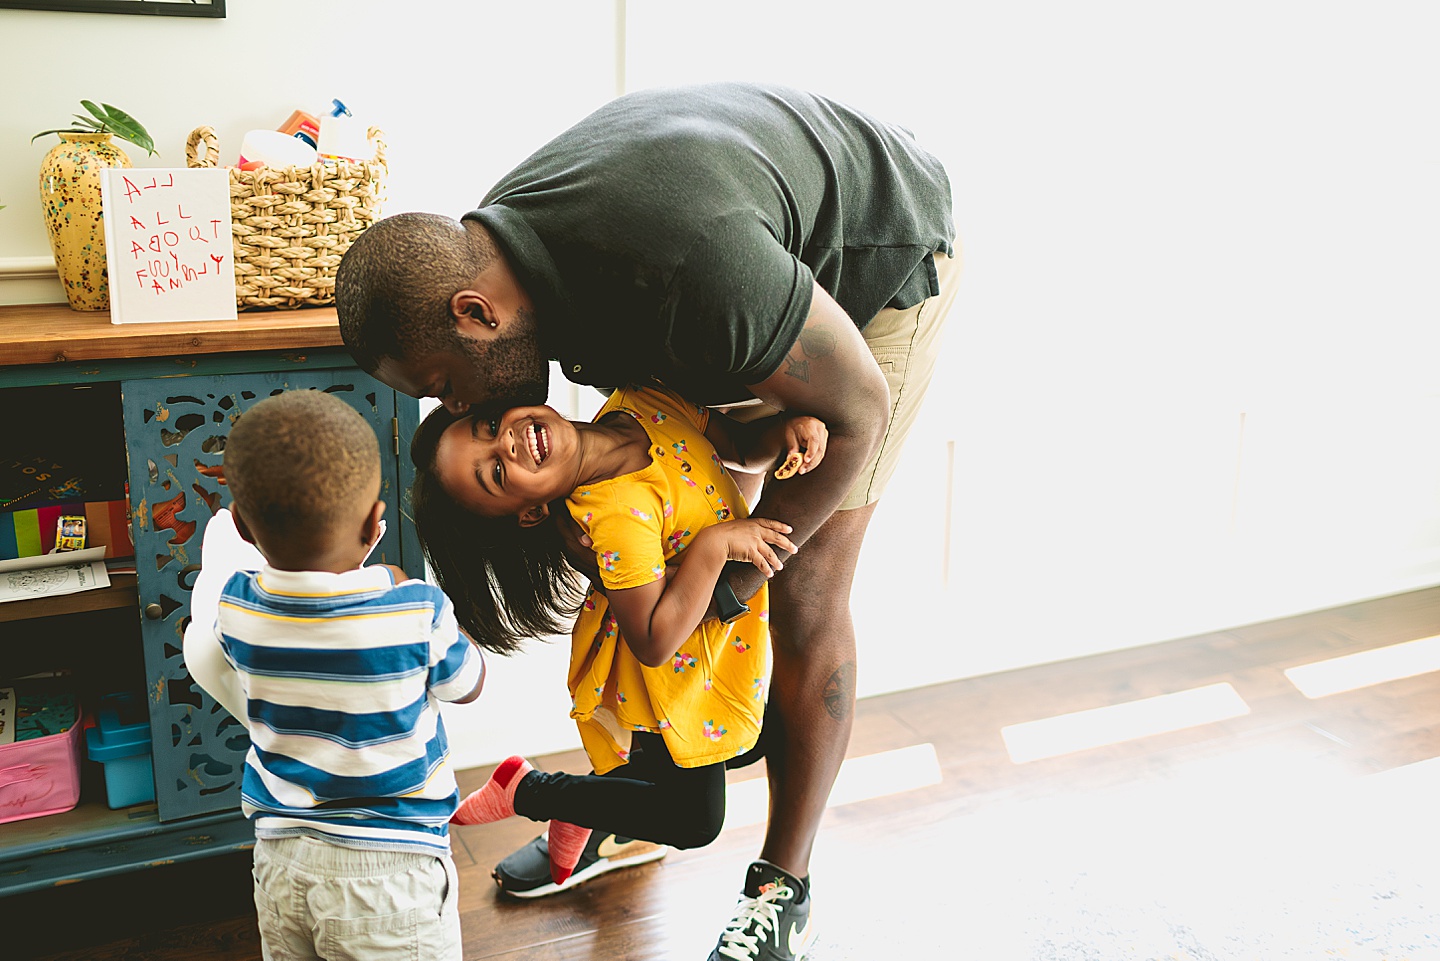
{"points": [[175, 431]]}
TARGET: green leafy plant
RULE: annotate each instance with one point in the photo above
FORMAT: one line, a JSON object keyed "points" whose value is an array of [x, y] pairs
{"points": [[107, 119]]}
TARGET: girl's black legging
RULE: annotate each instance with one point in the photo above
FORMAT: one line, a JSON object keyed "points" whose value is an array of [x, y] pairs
{"points": [[649, 798]]}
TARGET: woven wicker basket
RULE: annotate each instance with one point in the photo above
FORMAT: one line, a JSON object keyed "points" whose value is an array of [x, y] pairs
{"points": [[293, 224]]}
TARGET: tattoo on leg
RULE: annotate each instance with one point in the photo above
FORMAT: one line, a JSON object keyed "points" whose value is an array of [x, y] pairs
{"points": [[839, 692], [817, 342], [799, 369]]}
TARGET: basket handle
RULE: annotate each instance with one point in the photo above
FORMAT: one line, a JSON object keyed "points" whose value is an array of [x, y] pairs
{"points": [[20, 773], [212, 148], [377, 136]]}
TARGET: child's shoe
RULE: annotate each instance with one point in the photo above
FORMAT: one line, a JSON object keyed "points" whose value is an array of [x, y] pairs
{"points": [[525, 873]]}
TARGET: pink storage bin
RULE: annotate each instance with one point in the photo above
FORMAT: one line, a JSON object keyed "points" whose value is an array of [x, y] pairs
{"points": [[41, 776]]}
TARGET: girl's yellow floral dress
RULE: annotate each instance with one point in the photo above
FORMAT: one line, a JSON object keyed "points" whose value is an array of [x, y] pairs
{"points": [[708, 702]]}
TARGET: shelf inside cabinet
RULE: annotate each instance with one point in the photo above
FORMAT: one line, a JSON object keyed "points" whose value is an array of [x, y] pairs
{"points": [[92, 841], [120, 593]]}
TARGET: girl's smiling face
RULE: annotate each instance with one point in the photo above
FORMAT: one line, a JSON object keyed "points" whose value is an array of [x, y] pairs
{"points": [[513, 463]]}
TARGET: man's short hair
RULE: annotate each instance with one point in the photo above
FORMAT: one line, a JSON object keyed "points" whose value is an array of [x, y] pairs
{"points": [[393, 286], [300, 463]]}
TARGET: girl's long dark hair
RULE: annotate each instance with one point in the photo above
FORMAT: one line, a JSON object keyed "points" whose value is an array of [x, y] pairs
{"points": [[508, 583]]}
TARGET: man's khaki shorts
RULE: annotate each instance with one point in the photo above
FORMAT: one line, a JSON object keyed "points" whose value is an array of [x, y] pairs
{"points": [[905, 344]]}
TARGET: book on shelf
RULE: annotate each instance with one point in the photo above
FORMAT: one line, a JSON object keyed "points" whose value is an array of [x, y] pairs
{"points": [[33, 531]]}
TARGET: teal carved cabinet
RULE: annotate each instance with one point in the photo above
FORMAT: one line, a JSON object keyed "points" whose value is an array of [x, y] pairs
{"points": [[175, 431], [180, 388]]}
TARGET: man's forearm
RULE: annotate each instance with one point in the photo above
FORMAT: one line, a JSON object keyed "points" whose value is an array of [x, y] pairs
{"points": [[829, 374]]}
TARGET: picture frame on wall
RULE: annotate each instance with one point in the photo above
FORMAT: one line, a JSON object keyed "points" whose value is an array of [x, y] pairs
{"points": [[157, 8]]}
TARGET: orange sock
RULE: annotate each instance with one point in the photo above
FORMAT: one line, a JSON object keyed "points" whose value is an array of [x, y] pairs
{"points": [[567, 842], [496, 800]]}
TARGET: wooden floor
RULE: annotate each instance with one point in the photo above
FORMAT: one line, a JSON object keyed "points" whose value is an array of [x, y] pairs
{"points": [[870, 850]]}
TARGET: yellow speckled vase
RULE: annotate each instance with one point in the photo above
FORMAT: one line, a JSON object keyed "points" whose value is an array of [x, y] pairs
{"points": [[70, 197]]}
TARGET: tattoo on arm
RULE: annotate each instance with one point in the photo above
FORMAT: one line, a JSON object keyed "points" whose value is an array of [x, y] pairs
{"points": [[839, 692], [817, 341]]}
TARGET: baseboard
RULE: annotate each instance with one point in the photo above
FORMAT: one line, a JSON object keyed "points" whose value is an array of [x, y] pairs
{"points": [[27, 268], [30, 280]]}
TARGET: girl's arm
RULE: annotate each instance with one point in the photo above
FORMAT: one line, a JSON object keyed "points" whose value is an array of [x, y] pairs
{"points": [[756, 446], [657, 618]]}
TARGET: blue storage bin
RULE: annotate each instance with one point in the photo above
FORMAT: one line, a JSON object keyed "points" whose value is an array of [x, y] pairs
{"points": [[120, 741]]}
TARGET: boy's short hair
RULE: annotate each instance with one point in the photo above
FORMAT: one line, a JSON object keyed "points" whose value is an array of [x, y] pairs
{"points": [[300, 463]]}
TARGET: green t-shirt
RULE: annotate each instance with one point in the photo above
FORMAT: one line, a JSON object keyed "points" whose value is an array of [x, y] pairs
{"points": [[672, 235]]}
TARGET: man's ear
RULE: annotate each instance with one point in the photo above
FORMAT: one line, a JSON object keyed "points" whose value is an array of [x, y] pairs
{"points": [[240, 526], [473, 312], [535, 515]]}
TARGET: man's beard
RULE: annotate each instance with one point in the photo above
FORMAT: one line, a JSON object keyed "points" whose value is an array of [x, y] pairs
{"points": [[512, 367]]}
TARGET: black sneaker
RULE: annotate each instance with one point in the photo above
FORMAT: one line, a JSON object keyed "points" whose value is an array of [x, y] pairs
{"points": [[526, 873], [772, 919]]}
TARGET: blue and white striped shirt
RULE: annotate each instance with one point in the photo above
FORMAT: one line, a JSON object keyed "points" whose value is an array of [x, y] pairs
{"points": [[342, 676]]}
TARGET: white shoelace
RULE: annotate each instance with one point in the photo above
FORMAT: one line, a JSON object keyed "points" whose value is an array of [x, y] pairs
{"points": [[762, 912]]}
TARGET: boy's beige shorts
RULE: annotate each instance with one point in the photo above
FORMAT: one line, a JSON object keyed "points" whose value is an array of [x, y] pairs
{"points": [[316, 900]]}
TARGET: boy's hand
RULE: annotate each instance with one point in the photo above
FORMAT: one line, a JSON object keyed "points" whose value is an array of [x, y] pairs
{"points": [[753, 540], [805, 439]]}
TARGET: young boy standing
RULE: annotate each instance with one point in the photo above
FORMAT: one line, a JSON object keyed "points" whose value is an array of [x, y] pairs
{"points": [[341, 668]]}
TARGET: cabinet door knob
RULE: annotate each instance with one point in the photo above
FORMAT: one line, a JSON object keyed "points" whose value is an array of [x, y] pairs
{"points": [[154, 611]]}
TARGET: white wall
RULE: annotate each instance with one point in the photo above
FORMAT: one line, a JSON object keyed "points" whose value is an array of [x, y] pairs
{"points": [[463, 91], [1188, 382]]}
